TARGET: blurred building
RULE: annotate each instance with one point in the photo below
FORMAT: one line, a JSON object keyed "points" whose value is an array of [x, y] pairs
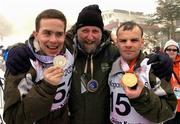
{"points": [[113, 18], [118, 16]]}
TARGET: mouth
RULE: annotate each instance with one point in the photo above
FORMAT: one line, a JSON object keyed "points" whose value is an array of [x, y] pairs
{"points": [[89, 43], [128, 51], [52, 47]]}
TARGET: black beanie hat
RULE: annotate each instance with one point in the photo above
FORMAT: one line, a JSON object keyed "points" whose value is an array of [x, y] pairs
{"points": [[90, 16]]}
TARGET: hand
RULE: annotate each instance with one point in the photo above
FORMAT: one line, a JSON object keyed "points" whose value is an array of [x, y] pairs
{"points": [[161, 65], [53, 75], [18, 59]]}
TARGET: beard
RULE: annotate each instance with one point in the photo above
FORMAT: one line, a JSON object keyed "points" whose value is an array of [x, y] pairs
{"points": [[89, 48]]}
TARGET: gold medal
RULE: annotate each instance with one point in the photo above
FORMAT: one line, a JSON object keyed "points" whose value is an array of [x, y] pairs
{"points": [[59, 61], [129, 79]]}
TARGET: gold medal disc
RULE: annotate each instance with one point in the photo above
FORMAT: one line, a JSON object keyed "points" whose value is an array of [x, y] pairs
{"points": [[129, 79]]}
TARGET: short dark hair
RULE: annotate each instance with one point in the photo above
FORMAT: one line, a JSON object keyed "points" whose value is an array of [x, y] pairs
{"points": [[50, 14], [129, 25]]}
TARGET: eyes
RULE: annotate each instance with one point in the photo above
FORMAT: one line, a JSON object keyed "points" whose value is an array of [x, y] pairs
{"points": [[169, 49], [50, 33], [133, 40]]}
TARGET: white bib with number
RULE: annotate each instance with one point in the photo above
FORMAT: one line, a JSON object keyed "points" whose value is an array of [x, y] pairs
{"points": [[121, 110], [62, 92]]}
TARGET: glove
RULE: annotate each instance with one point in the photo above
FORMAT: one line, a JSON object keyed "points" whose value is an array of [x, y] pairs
{"points": [[18, 59], [161, 65]]}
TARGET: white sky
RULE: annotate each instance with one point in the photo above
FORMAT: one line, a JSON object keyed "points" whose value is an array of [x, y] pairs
{"points": [[22, 13]]}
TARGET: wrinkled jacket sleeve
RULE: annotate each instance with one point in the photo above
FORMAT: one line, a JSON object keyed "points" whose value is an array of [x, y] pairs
{"points": [[157, 104], [30, 108]]}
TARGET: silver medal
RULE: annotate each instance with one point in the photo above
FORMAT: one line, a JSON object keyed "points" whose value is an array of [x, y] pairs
{"points": [[59, 61]]}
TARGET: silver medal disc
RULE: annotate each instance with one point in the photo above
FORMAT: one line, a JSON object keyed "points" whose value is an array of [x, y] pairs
{"points": [[59, 61]]}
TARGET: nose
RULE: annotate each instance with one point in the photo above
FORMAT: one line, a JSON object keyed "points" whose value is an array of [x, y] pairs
{"points": [[128, 43], [90, 36], [53, 38]]}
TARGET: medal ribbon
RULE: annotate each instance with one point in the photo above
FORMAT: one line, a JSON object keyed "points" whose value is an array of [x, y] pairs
{"points": [[91, 66], [92, 85], [127, 67]]}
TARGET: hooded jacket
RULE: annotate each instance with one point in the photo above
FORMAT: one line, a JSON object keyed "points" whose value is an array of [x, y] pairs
{"points": [[156, 103], [29, 99], [174, 82], [92, 107]]}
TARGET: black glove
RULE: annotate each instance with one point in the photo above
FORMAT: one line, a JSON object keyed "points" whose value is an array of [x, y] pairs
{"points": [[18, 59], [161, 65]]}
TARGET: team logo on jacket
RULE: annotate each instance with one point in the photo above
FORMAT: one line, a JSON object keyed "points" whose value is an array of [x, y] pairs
{"points": [[104, 67]]}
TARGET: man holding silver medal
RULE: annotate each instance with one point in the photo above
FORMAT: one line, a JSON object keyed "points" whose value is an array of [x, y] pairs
{"points": [[140, 97], [40, 94], [89, 95]]}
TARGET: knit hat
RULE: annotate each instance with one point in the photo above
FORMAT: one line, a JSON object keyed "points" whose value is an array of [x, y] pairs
{"points": [[90, 16], [171, 43]]}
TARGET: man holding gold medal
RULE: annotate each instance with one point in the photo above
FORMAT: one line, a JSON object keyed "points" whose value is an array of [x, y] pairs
{"points": [[137, 95], [40, 94]]}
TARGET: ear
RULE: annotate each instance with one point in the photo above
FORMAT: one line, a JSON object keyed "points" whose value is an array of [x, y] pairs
{"points": [[36, 41], [35, 34], [142, 43]]}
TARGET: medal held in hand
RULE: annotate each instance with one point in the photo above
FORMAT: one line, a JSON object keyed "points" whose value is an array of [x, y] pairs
{"points": [[59, 61], [130, 80]]}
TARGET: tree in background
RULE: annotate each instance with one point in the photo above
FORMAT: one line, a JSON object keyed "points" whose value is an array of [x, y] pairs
{"points": [[167, 12]]}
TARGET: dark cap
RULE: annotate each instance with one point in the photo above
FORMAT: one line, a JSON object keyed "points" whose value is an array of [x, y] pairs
{"points": [[90, 16]]}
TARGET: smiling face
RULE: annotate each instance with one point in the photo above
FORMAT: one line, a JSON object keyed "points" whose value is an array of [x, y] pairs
{"points": [[50, 36], [172, 51], [129, 43], [89, 37]]}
